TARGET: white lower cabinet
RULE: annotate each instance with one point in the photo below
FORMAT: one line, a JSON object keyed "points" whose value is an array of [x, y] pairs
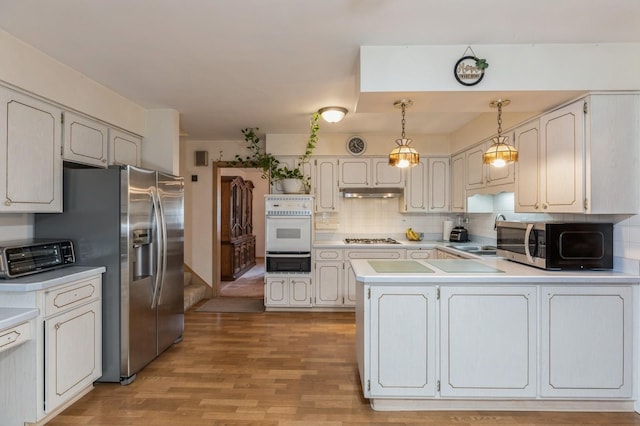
{"points": [[488, 337], [287, 291], [401, 337], [73, 359], [335, 281], [65, 357], [544, 347], [586, 342], [329, 289]]}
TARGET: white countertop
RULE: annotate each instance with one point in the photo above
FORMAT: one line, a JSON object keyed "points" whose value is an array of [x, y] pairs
{"points": [[10, 317], [402, 244], [510, 273], [44, 280]]}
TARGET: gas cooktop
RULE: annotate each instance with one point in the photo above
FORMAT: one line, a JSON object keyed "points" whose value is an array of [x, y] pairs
{"points": [[370, 241]]}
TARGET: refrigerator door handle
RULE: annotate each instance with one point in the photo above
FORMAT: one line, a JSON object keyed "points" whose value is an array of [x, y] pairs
{"points": [[159, 245], [163, 263]]}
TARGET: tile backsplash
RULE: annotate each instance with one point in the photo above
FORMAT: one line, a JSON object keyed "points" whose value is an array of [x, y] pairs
{"points": [[376, 217]]}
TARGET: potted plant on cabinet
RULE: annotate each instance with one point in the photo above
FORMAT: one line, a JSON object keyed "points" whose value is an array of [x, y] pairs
{"points": [[293, 180]]}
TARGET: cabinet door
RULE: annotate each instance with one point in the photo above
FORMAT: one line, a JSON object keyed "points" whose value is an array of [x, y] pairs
{"points": [[30, 147], [276, 291], [527, 141], [499, 175], [124, 148], [326, 185], [385, 175], [329, 278], [562, 167], [73, 353], [416, 191], [458, 183], [85, 141], [299, 291], [402, 342], [349, 287], [438, 184], [475, 167], [355, 172], [488, 339], [586, 342]]}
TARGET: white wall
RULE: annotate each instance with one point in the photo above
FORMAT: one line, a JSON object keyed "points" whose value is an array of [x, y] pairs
{"points": [[29, 69], [513, 67], [161, 145], [199, 201]]}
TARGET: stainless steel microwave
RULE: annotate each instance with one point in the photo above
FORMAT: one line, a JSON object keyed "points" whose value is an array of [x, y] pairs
{"points": [[556, 245]]}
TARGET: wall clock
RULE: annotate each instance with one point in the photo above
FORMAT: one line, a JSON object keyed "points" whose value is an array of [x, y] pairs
{"points": [[356, 145]]}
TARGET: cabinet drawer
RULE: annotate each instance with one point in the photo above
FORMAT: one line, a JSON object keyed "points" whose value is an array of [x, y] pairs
{"points": [[328, 254], [376, 254], [420, 254], [15, 336], [70, 296]]}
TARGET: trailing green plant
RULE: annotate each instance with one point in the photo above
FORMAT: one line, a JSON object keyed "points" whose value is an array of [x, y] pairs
{"points": [[270, 165]]}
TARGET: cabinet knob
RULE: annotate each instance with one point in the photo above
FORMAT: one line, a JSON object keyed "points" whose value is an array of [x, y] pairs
{"points": [[544, 206], [7, 203]]}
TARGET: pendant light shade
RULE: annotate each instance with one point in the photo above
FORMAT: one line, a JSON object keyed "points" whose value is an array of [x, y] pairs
{"points": [[332, 114], [500, 153], [403, 155]]}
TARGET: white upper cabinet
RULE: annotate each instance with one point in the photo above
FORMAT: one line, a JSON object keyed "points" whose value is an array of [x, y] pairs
{"points": [[480, 176], [527, 193], [30, 155], [85, 141], [427, 186], [386, 175], [584, 149], [458, 189], [325, 184], [369, 172], [475, 167], [355, 172], [124, 148]]}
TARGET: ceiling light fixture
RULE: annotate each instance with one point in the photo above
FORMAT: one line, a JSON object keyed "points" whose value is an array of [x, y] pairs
{"points": [[332, 114], [500, 153], [403, 155]]}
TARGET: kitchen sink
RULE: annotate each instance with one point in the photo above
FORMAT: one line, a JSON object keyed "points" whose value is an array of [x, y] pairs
{"points": [[479, 250]]}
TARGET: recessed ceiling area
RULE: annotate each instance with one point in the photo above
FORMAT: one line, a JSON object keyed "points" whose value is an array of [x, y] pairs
{"points": [[227, 65]]}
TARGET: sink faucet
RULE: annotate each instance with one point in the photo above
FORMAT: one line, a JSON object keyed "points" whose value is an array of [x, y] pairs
{"points": [[498, 217]]}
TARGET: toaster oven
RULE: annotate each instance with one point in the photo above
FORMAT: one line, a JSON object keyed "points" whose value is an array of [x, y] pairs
{"points": [[19, 258]]}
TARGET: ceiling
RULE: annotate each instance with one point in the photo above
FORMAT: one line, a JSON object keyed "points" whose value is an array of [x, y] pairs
{"points": [[230, 64]]}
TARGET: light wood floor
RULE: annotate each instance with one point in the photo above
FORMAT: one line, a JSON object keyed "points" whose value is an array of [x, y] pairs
{"points": [[271, 369], [250, 284]]}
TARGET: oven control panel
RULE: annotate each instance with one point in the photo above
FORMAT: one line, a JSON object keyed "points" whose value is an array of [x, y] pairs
{"points": [[288, 205]]}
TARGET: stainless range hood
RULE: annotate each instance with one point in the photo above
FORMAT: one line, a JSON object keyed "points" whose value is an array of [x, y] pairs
{"points": [[371, 192]]}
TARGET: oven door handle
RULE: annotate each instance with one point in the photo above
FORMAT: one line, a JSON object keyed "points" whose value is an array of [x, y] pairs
{"points": [[288, 254]]}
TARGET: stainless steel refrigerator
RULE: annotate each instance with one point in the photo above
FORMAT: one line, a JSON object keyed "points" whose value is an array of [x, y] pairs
{"points": [[131, 221]]}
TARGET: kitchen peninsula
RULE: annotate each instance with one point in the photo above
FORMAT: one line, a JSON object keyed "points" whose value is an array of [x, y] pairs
{"points": [[490, 334]]}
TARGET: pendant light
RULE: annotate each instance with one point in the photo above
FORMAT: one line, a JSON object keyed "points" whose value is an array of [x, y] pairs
{"points": [[403, 155], [332, 114], [500, 153]]}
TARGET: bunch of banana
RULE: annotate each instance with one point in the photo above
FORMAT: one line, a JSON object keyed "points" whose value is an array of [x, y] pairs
{"points": [[412, 235]]}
